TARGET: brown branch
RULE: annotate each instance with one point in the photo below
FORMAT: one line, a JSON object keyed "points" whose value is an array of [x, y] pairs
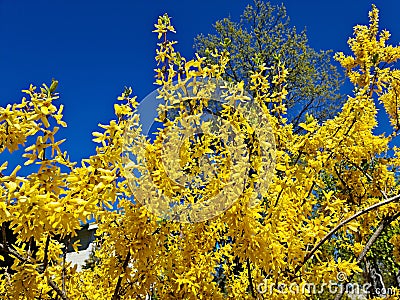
{"points": [[324, 163], [341, 224], [116, 295], [250, 278], [57, 289], [384, 223], [329, 157], [63, 271], [296, 121], [287, 178], [52, 284], [46, 254], [3, 233], [344, 184], [12, 252]]}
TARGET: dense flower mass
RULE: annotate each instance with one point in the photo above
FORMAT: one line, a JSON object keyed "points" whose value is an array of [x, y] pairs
{"points": [[333, 191]]}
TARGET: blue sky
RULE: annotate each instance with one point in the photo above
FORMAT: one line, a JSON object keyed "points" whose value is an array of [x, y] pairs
{"points": [[95, 48]]}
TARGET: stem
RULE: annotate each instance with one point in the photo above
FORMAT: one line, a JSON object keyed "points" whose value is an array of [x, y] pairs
{"points": [[63, 272], [116, 295], [46, 254], [384, 223], [52, 284], [341, 224], [3, 232], [250, 278], [57, 289]]}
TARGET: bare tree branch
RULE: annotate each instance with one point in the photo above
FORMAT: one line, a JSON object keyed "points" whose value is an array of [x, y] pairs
{"points": [[7, 250], [384, 223], [52, 284], [116, 295], [57, 289], [250, 278], [341, 224], [46, 253]]}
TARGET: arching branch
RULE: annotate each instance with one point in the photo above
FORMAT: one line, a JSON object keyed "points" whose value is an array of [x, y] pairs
{"points": [[341, 224]]}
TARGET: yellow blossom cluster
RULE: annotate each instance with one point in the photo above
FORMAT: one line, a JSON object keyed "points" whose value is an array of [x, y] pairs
{"points": [[330, 188]]}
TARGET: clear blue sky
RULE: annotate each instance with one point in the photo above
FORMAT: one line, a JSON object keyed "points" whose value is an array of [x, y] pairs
{"points": [[95, 48]]}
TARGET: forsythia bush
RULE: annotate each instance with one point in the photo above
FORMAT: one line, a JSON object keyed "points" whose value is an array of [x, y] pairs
{"points": [[333, 189]]}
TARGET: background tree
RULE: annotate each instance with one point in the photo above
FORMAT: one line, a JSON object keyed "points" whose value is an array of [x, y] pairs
{"points": [[264, 36]]}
